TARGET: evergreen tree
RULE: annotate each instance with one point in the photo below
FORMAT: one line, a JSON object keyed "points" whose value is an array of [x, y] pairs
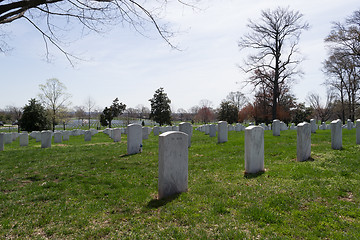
{"points": [[160, 107], [34, 117], [109, 113], [228, 112]]}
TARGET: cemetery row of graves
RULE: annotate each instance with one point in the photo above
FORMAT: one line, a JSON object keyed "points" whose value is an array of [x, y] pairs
{"points": [[174, 144], [180, 163]]}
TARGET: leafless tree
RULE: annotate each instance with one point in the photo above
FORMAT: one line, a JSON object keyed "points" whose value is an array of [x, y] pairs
{"points": [[143, 112], [54, 18], [343, 76], [322, 111], [80, 113], [274, 39], [54, 97], [237, 98], [89, 105], [343, 64]]}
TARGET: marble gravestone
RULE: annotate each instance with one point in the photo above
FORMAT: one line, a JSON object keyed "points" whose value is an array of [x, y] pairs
{"points": [[212, 132], [66, 135], [336, 134], [57, 137], [145, 132], [276, 127], [313, 125], [303, 147], [134, 139], [254, 149], [24, 139], [187, 128], [156, 131], [46, 137], [116, 135], [87, 136], [173, 163], [222, 132], [2, 141]]}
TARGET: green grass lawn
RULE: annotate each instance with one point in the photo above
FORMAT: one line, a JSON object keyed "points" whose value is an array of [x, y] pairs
{"points": [[82, 190]]}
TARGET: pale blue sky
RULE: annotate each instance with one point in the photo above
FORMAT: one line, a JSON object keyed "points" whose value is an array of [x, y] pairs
{"points": [[121, 63]]}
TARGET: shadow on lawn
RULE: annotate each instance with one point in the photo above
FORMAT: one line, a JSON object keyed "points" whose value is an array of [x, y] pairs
{"points": [[156, 203], [253, 175]]}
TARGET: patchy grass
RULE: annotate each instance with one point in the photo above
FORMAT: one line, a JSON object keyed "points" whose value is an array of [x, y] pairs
{"points": [[93, 190]]}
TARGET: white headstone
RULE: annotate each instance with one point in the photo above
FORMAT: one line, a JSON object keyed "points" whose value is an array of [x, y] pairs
{"points": [[303, 147], [276, 127], [38, 136], [207, 129], [336, 134], [134, 138], [57, 137], [254, 149], [2, 141], [24, 139], [145, 133], [349, 124], [313, 125], [8, 138], [116, 135], [212, 132], [14, 135], [222, 132], [156, 131], [66, 135], [187, 128], [87, 136], [358, 131], [173, 163], [46, 137]]}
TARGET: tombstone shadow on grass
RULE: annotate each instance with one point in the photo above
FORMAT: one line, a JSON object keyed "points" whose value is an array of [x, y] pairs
{"points": [[156, 203], [253, 175]]}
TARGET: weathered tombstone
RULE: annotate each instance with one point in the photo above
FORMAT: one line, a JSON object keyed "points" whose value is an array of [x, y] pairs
{"points": [[313, 125], [173, 163], [87, 136], [349, 124], [222, 132], [303, 147], [2, 141], [336, 134], [145, 133], [283, 126], [276, 127], [116, 135], [46, 137], [14, 136], [66, 135], [38, 136], [93, 131], [187, 128], [24, 139], [134, 138], [212, 130], [156, 131], [207, 129], [358, 131], [107, 131], [8, 138], [57, 137], [175, 128], [254, 149]]}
